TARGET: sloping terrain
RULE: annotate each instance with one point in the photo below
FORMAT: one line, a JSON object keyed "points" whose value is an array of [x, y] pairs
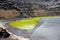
{"points": [[29, 9], [8, 13]]}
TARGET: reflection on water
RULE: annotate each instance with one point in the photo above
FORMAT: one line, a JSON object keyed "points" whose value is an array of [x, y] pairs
{"points": [[49, 30]]}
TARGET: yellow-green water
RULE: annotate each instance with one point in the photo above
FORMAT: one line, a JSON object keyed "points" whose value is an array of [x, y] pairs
{"points": [[26, 24]]}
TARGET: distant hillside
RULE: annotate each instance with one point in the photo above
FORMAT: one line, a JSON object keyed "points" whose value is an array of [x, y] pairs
{"points": [[25, 9]]}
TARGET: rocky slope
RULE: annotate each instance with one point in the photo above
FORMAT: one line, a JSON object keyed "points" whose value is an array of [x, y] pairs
{"points": [[25, 9]]}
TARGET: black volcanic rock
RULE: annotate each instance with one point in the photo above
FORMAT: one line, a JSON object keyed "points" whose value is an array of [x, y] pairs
{"points": [[7, 4]]}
